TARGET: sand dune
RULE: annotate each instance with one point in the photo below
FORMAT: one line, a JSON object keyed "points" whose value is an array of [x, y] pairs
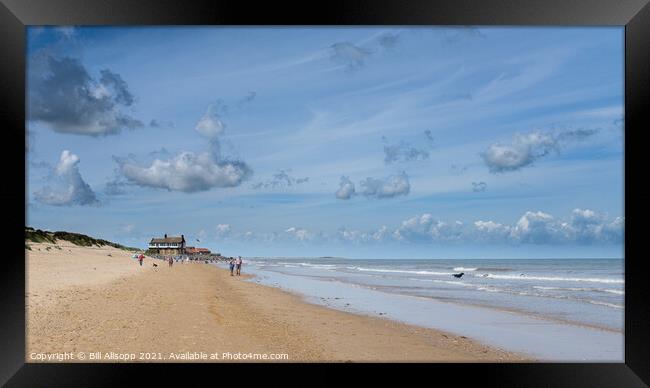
{"points": [[82, 300]]}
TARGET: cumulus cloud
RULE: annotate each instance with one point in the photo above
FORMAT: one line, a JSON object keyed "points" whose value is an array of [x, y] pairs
{"points": [[527, 148], [346, 188], [490, 231], [299, 234], [392, 186], [583, 226], [210, 124], [524, 150], [357, 236], [415, 228], [533, 227], [68, 187], [281, 179], [223, 230], [353, 57], [479, 187], [63, 95], [188, 171], [536, 227], [425, 228], [587, 225]]}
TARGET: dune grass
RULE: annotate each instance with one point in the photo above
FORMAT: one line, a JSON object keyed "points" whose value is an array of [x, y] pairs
{"points": [[44, 236]]}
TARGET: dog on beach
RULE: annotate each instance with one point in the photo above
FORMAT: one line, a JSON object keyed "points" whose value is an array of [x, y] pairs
{"points": [[155, 267], [458, 275]]}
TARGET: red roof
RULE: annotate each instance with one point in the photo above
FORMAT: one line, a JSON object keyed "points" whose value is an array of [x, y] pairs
{"points": [[199, 250]]}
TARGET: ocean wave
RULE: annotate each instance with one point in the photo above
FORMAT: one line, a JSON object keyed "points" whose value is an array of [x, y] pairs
{"points": [[490, 289], [553, 278], [597, 302], [561, 297], [455, 283], [617, 292], [320, 266], [465, 269], [400, 271]]}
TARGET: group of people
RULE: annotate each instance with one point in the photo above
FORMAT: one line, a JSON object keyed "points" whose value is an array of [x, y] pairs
{"points": [[235, 264]]}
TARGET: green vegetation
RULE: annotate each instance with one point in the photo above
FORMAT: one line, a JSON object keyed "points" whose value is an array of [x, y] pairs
{"points": [[38, 236]]}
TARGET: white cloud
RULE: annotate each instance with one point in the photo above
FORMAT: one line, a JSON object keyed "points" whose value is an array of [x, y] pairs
{"points": [[536, 227], [68, 187], [354, 236], [424, 228], [223, 230], [210, 124], [527, 148], [346, 188], [524, 150], [381, 234], [491, 231], [533, 227], [299, 234], [187, 172], [64, 96], [587, 226], [393, 186]]}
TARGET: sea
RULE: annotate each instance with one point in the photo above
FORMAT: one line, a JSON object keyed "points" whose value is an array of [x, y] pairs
{"points": [[584, 297]]}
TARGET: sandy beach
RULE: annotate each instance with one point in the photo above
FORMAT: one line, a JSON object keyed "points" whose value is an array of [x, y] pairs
{"points": [[81, 300]]}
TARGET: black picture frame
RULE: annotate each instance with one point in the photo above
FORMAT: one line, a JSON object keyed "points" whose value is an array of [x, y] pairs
{"points": [[633, 14]]}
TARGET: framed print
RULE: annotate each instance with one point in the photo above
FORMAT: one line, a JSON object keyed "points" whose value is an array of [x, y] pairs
{"points": [[445, 186]]}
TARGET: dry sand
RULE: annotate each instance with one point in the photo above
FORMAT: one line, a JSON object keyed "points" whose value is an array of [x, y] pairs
{"points": [[80, 299]]}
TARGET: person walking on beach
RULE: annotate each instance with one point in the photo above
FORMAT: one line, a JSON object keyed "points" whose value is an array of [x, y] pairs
{"points": [[141, 258], [232, 265], [238, 264], [171, 261]]}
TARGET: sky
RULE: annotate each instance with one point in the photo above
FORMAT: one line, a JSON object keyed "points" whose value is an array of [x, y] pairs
{"points": [[386, 142]]}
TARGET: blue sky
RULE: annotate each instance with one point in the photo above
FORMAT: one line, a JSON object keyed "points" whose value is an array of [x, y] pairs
{"points": [[393, 142]]}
